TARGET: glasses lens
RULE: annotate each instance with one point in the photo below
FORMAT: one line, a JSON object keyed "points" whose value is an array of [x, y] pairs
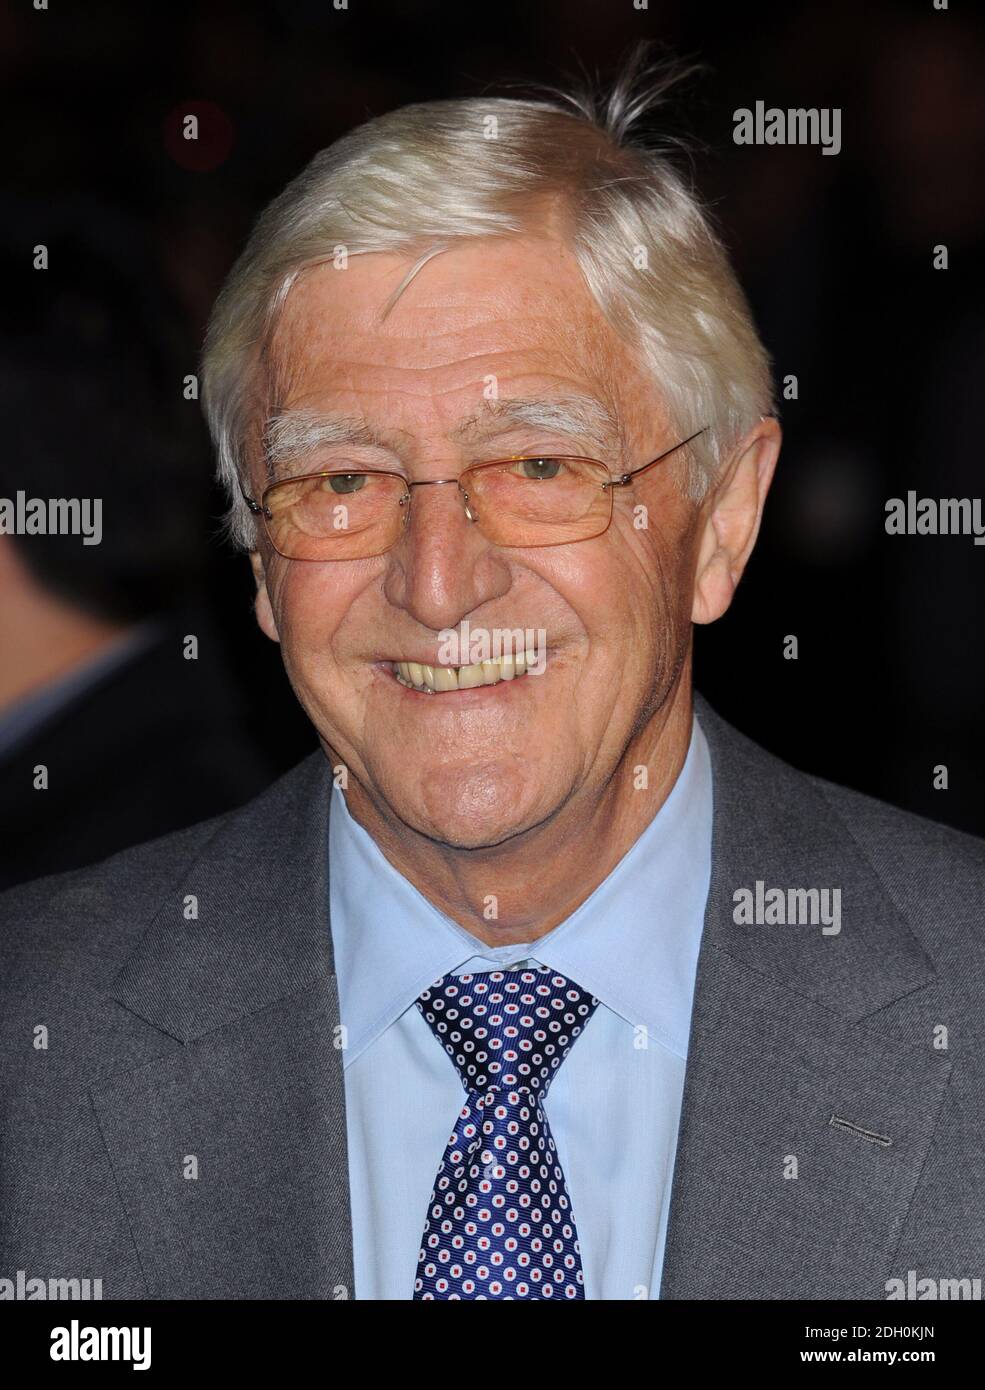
{"points": [[539, 501], [335, 516]]}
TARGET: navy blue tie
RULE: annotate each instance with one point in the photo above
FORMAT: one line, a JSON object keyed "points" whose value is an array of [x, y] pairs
{"points": [[499, 1222]]}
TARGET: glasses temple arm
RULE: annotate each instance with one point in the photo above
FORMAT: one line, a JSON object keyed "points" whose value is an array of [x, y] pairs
{"points": [[624, 478]]}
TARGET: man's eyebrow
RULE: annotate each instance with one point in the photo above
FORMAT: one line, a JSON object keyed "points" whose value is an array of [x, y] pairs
{"points": [[583, 416], [292, 434]]}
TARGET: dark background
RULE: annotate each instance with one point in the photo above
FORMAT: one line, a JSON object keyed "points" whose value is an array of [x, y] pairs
{"points": [[835, 254]]}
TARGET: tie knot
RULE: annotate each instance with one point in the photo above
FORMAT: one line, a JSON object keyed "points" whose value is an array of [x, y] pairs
{"points": [[507, 1028]]}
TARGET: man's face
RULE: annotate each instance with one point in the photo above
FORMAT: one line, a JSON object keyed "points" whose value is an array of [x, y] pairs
{"points": [[473, 767]]}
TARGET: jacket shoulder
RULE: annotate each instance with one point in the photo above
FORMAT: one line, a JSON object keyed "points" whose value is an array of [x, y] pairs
{"points": [[933, 874], [902, 844], [103, 905], [899, 842]]}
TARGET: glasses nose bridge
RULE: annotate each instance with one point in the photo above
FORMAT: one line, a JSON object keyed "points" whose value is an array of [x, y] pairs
{"points": [[470, 513]]}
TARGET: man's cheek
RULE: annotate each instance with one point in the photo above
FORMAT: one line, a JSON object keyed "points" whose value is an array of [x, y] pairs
{"points": [[302, 621]]}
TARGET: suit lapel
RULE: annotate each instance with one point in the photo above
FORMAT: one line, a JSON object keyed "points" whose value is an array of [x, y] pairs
{"points": [[229, 1150], [792, 1029]]}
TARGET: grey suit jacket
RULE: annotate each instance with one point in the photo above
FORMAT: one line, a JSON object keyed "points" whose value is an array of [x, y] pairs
{"points": [[173, 1114]]}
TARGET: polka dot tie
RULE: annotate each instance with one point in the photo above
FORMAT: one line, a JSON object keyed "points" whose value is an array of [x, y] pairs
{"points": [[499, 1222]]}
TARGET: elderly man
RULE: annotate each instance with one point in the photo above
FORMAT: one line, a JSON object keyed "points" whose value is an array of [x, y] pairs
{"points": [[531, 984]]}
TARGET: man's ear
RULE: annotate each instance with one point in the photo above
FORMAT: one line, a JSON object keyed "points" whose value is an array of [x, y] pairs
{"points": [[261, 604], [732, 514]]}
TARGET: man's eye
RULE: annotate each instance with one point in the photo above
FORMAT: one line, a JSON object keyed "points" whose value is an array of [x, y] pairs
{"points": [[539, 469], [344, 482]]}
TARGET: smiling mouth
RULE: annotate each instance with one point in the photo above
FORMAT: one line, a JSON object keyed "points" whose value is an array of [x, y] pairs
{"points": [[440, 680]]}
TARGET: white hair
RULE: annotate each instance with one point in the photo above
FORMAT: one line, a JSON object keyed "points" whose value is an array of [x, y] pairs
{"points": [[419, 178]]}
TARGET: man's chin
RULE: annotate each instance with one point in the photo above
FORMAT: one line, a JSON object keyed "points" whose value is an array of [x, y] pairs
{"points": [[472, 811]]}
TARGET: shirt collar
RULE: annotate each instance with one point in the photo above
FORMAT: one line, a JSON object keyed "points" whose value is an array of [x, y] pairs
{"points": [[633, 942]]}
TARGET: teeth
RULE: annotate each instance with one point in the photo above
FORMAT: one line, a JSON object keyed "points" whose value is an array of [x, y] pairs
{"points": [[440, 679], [469, 676], [443, 678]]}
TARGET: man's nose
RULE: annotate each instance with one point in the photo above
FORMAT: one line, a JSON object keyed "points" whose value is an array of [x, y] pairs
{"points": [[442, 569]]}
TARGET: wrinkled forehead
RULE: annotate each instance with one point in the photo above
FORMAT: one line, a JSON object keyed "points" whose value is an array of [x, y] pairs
{"points": [[516, 308], [493, 317]]}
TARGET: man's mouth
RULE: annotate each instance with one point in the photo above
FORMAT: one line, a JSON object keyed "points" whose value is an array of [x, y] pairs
{"points": [[438, 680]]}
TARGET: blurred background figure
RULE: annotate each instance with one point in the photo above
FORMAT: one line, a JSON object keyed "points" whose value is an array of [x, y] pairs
{"points": [[96, 686]]}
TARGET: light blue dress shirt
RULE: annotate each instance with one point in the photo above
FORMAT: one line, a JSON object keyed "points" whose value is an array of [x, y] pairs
{"points": [[614, 1105]]}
